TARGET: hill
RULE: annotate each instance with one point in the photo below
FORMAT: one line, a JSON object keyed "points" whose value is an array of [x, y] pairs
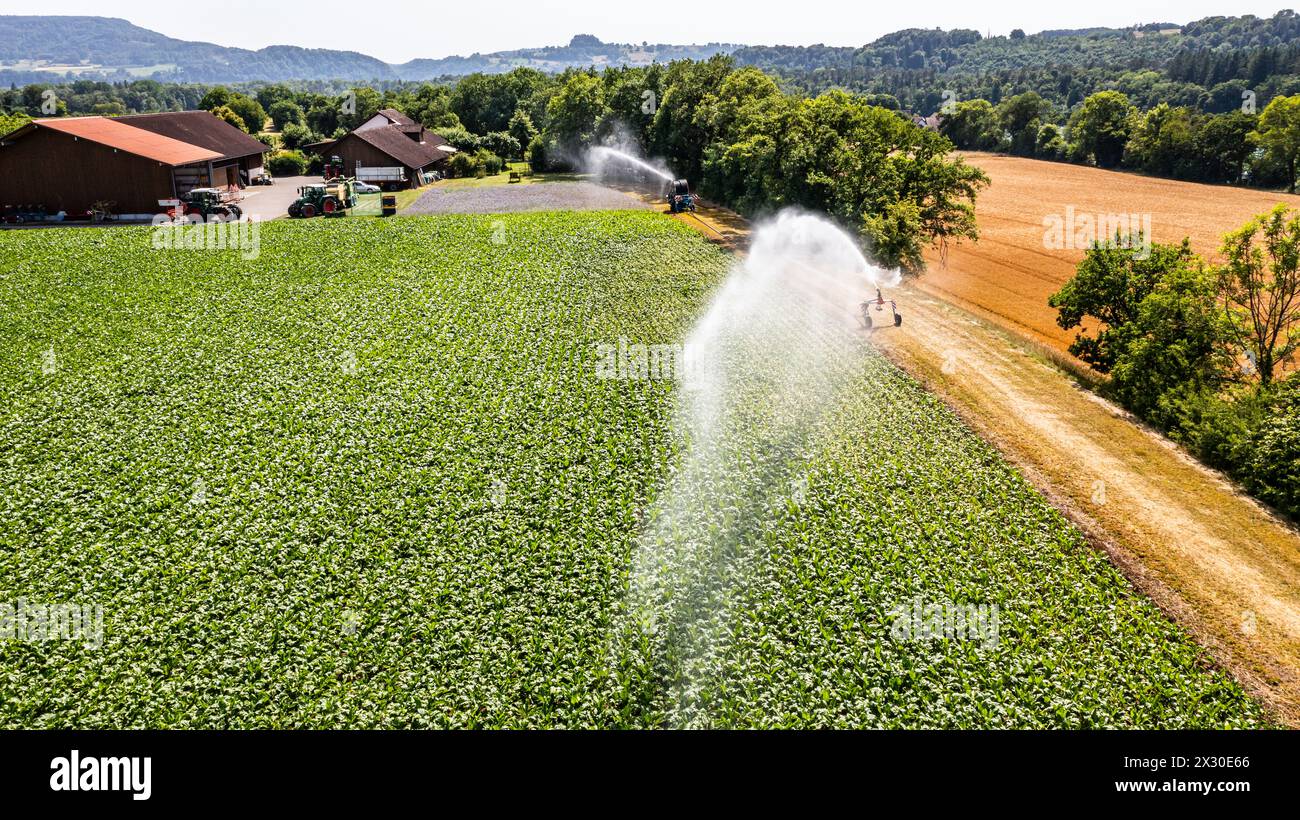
{"points": [[966, 51], [583, 50], [912, 65], [49, 48], [1152, 62]]}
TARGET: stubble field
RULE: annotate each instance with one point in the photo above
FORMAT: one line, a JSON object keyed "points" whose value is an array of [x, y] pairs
{"points": [[1009, 273]]}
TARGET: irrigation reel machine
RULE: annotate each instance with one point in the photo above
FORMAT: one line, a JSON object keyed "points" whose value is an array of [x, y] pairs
{"points": [[879, 304]]}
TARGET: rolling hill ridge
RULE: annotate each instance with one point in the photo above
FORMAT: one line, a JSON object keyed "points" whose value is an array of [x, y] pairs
{"points": [[50, 48]]}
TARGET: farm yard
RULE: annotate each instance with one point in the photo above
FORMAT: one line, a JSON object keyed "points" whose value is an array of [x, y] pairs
{"points": [[310, 491]]}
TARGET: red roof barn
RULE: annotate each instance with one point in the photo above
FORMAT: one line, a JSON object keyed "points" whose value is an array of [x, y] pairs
{"points": [[70, 163]]}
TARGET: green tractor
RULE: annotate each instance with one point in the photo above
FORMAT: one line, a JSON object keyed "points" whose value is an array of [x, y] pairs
{"points": [[206, 203], [333, 197]]}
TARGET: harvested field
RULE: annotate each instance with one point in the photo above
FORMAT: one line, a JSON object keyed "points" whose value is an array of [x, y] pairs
{"points": [[1008, 275], [545, 196]]}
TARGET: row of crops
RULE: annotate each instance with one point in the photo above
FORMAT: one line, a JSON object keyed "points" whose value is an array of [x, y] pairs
{"points": [[370, 478]]}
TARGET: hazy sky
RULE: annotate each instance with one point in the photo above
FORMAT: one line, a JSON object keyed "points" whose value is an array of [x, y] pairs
{"points": [[398, 30]]}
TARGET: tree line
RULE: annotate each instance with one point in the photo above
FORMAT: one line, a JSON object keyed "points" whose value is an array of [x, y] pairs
{"points": [[1107, 130], [1204, 64], [746, 143]]}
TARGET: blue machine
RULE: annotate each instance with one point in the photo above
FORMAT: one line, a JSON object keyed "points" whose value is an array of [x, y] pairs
{"points": [[680, 197]]}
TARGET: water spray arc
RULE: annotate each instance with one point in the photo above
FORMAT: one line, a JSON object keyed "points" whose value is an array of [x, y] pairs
{"points": [[601, 158], [776, 351]]}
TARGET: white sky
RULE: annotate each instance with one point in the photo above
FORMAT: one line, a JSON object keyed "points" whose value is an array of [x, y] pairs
{"points": [[399, 30]]}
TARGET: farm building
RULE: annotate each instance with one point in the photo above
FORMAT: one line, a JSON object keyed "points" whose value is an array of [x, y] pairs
{"points": [[930, 123], [71, 163], [389, 149], [241, 155], [389, 116]]}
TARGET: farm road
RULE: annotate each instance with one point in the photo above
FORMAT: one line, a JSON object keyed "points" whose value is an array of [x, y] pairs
{"points": [[265, 202]]}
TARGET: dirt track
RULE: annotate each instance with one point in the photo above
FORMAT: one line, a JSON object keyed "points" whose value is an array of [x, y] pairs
{"points": [[1211, 557]]}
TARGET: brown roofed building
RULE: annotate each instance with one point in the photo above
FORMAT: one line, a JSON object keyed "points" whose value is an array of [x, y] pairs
{"points": [[386, 116], [241, 154], [389, 149], [71, 163]]}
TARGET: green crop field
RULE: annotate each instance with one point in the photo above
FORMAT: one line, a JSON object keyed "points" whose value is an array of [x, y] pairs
{"points": [[370, 478]]}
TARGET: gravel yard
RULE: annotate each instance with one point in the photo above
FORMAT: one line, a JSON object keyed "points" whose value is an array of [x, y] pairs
{"points": [[542, 196]]}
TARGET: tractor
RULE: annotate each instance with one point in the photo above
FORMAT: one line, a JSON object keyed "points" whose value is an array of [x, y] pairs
{"points": [[680, 197], [205, 203], [333, 197]]}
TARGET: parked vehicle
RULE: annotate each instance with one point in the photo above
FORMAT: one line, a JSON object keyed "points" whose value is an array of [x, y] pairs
{"points": [[263, 178], [366, 188], [204, 202], [388, 178], [333, 197]]}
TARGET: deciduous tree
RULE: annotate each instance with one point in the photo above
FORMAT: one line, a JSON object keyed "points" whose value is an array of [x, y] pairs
{"points": [[1278, 133], [1260, 285], [1100, 128]]}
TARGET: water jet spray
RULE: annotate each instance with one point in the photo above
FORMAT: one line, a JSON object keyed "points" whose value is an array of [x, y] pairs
{"points": [[776, 353]]}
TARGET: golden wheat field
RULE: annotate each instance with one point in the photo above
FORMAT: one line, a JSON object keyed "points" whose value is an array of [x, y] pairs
{"points": [[1026, 210]]}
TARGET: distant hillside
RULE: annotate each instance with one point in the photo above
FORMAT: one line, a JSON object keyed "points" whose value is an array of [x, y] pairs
{"points": [[109, 48], [42, 48], [909, 64], [1205, 64], [583, 50], [965, 51]]}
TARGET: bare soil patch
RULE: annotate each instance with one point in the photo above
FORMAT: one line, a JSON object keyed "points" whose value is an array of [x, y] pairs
{"points": [[541, 196]]}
